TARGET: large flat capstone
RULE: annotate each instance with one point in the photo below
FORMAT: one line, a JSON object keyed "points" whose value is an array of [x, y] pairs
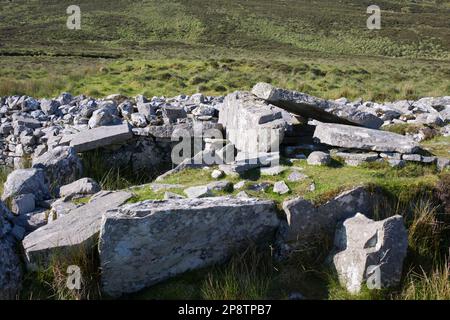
{"points": [[345, 136], [144, 243], [309, 106], [101, 136], [71, 231]]}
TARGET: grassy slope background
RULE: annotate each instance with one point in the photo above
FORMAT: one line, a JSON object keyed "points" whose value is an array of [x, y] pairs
{"points": [[218, 46]]}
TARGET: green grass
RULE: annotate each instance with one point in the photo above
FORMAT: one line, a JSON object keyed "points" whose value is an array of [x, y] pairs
{"points": [[439, 146], [172, 47], [4, 171]]}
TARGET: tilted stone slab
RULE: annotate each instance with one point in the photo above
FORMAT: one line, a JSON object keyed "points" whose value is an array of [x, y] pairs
{"points": [[101, 137], [147, 242], [72, 231], [309, 106], [345, 136], [252, 124]]}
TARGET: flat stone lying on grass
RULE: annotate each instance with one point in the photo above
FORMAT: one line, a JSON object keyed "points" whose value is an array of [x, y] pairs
{"points": [[272, 171], [152, 241], [296, 176], [72, 231], [198, 192], [220, 186], [351, 137], [370, 251], [307, 225], [100, 137], [239, 185], [281, 187], [319, 158], [356, 159]]}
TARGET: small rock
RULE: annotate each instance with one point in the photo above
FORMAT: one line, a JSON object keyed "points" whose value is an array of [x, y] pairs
{"points": [[217, 174], [281, 187], [242, 194], [412, 157], [442, 163], [272, 171], [221, 186], [198, 192], [296, 176], [239, 185], [319, 158]]}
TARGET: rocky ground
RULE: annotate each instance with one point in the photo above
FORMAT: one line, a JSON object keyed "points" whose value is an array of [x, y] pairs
{"points": [[261, 160]]}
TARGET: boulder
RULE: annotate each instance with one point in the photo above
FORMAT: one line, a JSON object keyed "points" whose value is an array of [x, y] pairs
{"points": [[307, 225], [26, 181], [152, 241], [72, 231], [345, 136], [355, 159], [252, 124], [370, 252], [319, 158], [80, 188], [100, 137], [61, 166]]}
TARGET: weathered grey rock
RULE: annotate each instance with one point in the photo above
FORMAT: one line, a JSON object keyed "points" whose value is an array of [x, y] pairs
{"points": [[356, 159], [217, 174], [345, 136], [442, 163], [72, 231], [103, 117], [198, 192], [152, 241], [242, 194], [24, 203], [252, 124], [412, 157], [312, 107], [281, 187], [171, 114], [394, 163], [220, 186], [272, 171], [61, 166], [50, 107], [10, 272], [239, 185], [80, 188], [307, 225], [26, 181], [296, 176], [138, 120], [319, 158], [371, 251], [100, 137]]}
